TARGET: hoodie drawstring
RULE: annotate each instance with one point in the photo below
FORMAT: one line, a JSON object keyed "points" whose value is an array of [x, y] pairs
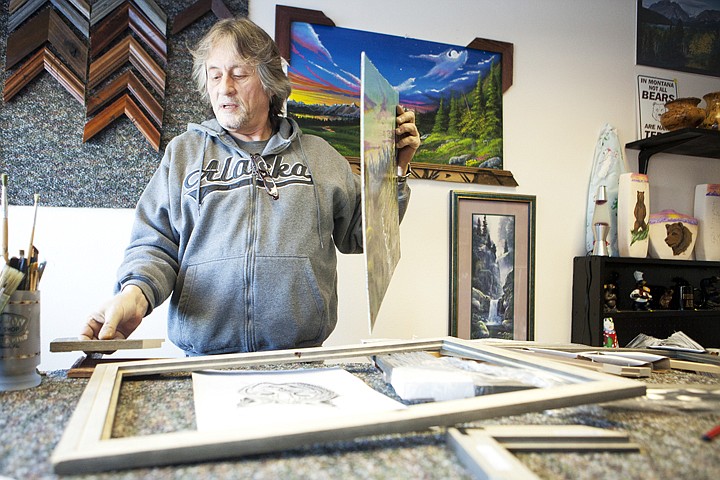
{"points": [[200, 174]]}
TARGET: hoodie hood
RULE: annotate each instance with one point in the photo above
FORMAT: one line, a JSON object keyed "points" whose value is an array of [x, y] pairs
{"points": [[278, 142]]}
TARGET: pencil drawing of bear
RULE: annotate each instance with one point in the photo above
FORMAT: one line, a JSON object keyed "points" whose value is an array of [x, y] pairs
{"points": [[640, 212], [679, 237]]}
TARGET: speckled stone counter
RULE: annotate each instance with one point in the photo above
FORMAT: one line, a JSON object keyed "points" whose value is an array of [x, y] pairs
{"points": [[33, 420]]}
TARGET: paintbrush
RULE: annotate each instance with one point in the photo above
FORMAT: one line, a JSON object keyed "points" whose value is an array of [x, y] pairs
{"points": [[32, 232], [5, 218], [10, 278]]}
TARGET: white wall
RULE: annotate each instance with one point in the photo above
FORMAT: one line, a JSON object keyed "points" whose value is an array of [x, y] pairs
{"points": [[574, 72]]}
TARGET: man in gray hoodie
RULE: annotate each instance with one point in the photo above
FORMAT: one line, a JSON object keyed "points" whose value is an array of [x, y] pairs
{"points": [[240, 222]]}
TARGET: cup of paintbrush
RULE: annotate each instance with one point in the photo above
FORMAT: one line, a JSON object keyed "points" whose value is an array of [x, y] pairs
{"points": [[20, 341], [10, 280]]}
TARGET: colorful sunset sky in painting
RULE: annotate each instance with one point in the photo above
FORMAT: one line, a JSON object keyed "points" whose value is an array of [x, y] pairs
{"points": [[325, 66]]}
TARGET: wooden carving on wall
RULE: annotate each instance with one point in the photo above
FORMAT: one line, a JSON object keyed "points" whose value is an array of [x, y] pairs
{"points": [[46, 30], [197, 10]]}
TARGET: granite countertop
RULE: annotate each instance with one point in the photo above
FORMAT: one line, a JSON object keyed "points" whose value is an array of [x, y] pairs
{"points": [[669, 433]]}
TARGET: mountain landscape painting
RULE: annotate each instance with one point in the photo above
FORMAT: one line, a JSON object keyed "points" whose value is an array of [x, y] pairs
{"points": [[681, 35], [455, 92], [493, 286]]}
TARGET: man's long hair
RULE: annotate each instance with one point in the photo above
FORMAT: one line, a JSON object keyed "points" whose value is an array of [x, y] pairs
{"points": [[254, 47]]}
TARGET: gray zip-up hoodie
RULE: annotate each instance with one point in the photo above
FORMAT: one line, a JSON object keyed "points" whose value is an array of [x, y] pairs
{"points": [[246, 272]]}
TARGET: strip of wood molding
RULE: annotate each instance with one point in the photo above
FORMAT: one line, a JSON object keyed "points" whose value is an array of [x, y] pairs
{"points": [[76, 11], [15, 4], [694, 366], [72, 344], [71, 48], [152, 11], [198, 10], [122, 106], [47, 28], [123, 18], [156, 14], [127, 82], [22, 12], [44, 59], [83, 7], [126, 50]]}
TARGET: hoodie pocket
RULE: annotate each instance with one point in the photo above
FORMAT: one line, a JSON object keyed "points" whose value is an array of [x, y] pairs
{"points": [[289, 310], [211, 307]]}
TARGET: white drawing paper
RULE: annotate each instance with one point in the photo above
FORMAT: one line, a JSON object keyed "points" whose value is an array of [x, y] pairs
{"points": [[241, 399]]}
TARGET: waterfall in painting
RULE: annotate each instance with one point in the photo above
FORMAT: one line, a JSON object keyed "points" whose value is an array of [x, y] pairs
{"points": [[493, 257]]}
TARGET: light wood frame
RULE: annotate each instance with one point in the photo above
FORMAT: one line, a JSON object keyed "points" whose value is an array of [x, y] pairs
{"points": [[87, 446], [489, 452]]}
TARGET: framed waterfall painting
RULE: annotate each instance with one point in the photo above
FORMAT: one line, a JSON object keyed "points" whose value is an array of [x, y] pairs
{"points": [[492, 265]]}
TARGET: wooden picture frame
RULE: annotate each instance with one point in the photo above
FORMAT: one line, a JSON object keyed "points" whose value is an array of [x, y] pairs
{"points": [[492, 259], [86, 445], [286, 16]]}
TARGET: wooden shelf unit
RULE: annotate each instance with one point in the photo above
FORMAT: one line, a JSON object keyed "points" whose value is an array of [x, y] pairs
{"points": [[591, 273]]}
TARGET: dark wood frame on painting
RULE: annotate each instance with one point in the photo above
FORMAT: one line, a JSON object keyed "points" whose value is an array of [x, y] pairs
{"points": [[463, 206], [285, 16]]}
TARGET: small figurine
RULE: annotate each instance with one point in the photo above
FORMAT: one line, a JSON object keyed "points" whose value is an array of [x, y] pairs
{"points": [[609, 335], [641, 295], [666, 298], [710, 292], [610, 298]]}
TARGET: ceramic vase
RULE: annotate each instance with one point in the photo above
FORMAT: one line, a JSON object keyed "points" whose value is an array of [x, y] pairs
{"points": [[712, 111], [672, 235], [682, 113], [707, 212], [633, 211]]}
